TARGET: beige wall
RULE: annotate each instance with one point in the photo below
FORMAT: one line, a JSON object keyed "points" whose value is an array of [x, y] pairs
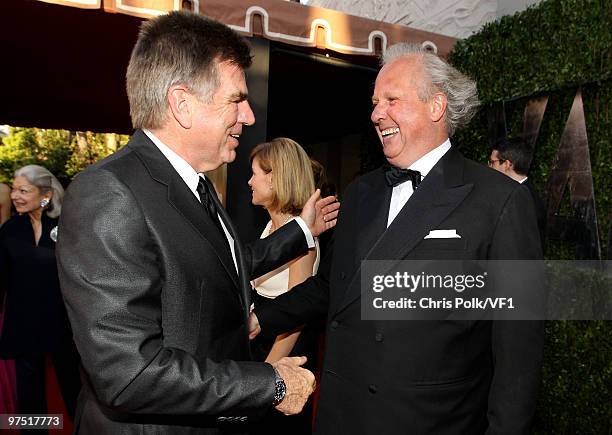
{"points": [[456, 18]]}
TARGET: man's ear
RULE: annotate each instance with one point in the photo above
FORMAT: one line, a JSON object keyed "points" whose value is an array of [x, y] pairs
{"points": [[508, 166], [179, 101], [438, 106]]}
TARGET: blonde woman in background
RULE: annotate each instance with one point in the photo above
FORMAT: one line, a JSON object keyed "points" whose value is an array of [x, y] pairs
{"points": [[282, 181]]}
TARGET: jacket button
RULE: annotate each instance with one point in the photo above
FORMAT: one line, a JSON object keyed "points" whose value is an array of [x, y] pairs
{"points": [[334, 324], [372, 388], [379, 337]]}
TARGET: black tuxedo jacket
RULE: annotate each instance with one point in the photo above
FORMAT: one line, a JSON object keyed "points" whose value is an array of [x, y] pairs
{"points": [[421, 377], [540, 209], [157, 308]]}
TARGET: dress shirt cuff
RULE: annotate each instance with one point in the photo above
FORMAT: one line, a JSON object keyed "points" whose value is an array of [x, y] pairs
{"points": [[309, 239]]}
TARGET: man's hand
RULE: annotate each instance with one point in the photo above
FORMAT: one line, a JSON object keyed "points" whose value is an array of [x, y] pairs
{"points": [[320, 214], [299, 381], [254, 328]]}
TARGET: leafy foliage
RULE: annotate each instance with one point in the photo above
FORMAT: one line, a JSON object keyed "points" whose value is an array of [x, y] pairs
{"points": [[554, 45], [553, 49], [63, 152], [576, 379]]}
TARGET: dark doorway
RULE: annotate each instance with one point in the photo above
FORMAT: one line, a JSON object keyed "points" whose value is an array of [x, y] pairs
{"points": [[323, 101]]}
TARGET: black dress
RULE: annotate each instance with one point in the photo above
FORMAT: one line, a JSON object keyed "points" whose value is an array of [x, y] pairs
{"points": [[35, 320]]}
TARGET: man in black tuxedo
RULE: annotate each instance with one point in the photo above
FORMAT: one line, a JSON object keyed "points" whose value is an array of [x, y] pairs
{"points": [[513, 157], [420, 377], [156, 283]]}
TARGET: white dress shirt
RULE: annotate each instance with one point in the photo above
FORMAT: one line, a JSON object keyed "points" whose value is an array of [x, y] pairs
{"points": [[402, 192], [192, 178]]}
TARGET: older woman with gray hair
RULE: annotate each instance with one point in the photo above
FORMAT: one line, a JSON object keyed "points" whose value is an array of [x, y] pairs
{"points": [[35, 321]]}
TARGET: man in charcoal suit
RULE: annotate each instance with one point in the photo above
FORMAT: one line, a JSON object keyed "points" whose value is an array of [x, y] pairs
{"points": [[420, 377], [153, 276]]}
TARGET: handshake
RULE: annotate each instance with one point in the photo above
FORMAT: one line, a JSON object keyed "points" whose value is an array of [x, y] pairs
{"points": [[299, 384]]}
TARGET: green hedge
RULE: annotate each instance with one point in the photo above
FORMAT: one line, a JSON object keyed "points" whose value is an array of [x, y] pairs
{"points": [[575, 396], [554, 45], [552, 49]]}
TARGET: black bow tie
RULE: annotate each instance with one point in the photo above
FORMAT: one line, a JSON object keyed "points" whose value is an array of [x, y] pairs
{"points": [[396, 176]]}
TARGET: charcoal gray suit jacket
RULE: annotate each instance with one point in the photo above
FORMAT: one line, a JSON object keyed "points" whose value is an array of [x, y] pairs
{"points": [[157, 308]]}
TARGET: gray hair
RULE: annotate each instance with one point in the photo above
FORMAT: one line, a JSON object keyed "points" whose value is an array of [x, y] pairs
{"points": [[178, 48], [46, 182], [460, 90]]}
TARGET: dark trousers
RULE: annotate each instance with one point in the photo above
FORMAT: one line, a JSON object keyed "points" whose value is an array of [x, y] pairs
{"points": [[275, 423], [30, 379]]}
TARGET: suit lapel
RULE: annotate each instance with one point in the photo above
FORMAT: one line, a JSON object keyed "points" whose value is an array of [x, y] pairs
{"points": [[373, 212], [183, 200], [364, 232], [439, 194], [245, 284]]}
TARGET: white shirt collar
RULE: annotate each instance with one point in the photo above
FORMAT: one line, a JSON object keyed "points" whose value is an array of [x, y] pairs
{"points": [[523, 180], [184, 169], [402, 192], [429, 160]]}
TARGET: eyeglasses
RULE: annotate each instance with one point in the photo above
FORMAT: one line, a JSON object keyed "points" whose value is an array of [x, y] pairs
{"points": [[500, 161]]}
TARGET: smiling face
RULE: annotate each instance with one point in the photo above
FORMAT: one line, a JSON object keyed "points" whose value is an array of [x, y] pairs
{"points": [[261, 185], [407, 127], [25, 196], [216, 125]]}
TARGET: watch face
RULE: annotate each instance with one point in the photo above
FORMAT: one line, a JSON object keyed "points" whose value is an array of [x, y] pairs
{"points": [[280, 391]]}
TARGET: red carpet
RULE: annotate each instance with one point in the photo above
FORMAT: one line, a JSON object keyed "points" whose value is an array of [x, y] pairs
{"points": [[55, 403]]}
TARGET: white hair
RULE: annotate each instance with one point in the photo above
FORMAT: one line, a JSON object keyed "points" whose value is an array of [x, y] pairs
{"points": [[460, 90], [46, 182]]}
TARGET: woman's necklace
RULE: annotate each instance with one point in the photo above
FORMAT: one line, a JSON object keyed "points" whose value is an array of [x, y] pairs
{"points": [[284, 219]]}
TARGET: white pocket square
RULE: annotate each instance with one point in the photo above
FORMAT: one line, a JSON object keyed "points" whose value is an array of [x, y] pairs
{"points": [[443, 234]]}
